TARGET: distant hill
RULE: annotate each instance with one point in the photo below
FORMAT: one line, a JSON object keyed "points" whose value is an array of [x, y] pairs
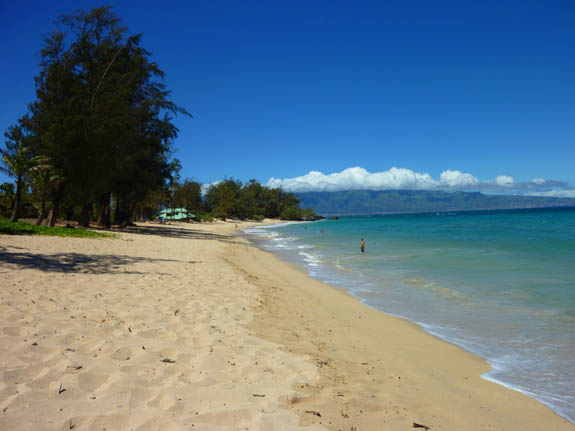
{"points": [[363, 202]]}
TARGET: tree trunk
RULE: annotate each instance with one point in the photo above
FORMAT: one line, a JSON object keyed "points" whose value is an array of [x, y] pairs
{"points": [[16, 212], [54, 210], [131, 214], [106, 221], [104, 212], [122, 213], [117, 216], [69, 210], [86, 215], [42, 213]]}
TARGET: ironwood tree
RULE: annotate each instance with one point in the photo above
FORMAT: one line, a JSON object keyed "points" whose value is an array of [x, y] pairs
{"points": [[103, 116]]}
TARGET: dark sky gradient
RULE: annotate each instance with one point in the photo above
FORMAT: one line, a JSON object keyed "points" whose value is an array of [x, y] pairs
{"points": [[282, 88]]}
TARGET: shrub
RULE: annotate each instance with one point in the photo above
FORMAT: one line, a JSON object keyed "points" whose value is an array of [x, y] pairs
{"points": [[23, 228], [291, 213]]}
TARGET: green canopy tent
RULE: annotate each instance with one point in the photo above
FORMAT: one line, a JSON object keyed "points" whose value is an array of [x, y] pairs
{"points": [[176, 214]]}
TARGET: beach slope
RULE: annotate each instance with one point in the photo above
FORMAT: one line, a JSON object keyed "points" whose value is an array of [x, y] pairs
{"points": [[179, 327]]}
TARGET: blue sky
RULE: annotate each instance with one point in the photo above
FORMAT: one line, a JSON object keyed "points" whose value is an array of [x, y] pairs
{"points": [[282, 89]]}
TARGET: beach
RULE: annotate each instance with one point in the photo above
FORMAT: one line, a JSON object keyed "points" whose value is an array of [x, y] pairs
{"points": [[189, 327]]}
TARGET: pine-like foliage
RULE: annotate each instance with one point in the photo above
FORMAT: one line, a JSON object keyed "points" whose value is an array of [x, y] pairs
{"points": [[101, 116]]}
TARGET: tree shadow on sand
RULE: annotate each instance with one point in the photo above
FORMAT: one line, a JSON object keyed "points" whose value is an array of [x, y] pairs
{"points": [[103, 263], [177, 232], [77, 262]]}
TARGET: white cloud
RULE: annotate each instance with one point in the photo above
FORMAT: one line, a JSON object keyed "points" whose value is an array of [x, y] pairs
{"points": [[556, 193], [504, 181], [357, 178], [457, 179]]}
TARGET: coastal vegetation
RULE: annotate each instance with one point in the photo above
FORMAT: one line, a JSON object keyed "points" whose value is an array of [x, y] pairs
{"points": [[22, 228], [232, 199], [99, 132], [97, 142]]}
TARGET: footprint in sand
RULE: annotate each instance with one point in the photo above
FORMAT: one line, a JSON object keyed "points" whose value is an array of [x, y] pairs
{"points": [[124, 353], [23, 375], [207, 381], [91, 382], [159, 423], [110, 422], [163, 401], [148, 334], [12, 331], [227, 417], [140, 396], [47, 379]]}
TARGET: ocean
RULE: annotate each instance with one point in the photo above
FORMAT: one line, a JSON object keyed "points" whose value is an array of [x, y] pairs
{"points": [[499, 284]]}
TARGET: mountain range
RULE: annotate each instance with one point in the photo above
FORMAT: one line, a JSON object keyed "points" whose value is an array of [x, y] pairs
{"points": [[365, 202]]}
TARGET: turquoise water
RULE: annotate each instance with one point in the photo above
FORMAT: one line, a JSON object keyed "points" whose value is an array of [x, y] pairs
{"points": [[500, 284]]}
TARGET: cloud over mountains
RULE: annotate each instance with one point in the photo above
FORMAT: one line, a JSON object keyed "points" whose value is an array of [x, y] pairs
{"points": [[405, 179]]}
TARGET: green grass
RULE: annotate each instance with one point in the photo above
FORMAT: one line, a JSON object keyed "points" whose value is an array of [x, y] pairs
{"points": [[23, 228]]}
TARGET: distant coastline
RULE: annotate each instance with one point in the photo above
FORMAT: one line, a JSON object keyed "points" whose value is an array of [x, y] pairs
{"points": [[452, 211], [371, 202]]}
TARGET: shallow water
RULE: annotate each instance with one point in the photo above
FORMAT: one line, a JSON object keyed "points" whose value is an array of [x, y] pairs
{"points": [[497, 283]]}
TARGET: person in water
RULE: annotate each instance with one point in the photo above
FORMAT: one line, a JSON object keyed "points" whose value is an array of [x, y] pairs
{"points": [[362, 246]]}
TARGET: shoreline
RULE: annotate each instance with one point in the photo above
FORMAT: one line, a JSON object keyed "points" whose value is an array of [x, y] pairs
{"points": [[491, 375], [174, 326], [478, 367]]}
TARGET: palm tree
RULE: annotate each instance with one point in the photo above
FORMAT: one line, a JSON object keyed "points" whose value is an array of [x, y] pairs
{"points": [[17, 164], [45, 178], [7, 197]]}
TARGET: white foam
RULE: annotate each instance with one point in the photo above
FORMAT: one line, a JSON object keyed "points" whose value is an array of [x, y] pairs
{"points": [[310, 259]]}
